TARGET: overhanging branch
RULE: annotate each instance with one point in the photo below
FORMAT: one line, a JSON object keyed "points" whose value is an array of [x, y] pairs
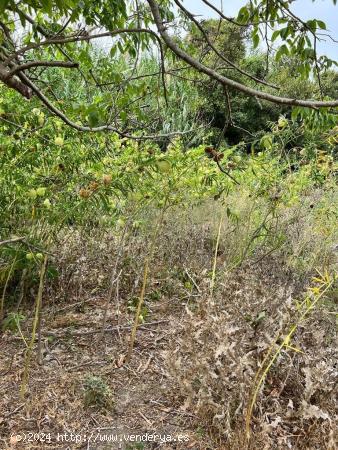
{"points": [[59, 40], [224, 80], [78, 127], [15, 83], [219, 54], [29, 65]]}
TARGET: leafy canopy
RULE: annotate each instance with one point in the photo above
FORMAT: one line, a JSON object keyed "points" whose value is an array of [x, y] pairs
{"points": [[54, 37]]}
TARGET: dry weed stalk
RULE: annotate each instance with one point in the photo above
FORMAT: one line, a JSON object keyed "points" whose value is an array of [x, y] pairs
{"points": [[323, 284], [149, 257], [213, 274], [113, 279], [2, 309], [36, 327]]}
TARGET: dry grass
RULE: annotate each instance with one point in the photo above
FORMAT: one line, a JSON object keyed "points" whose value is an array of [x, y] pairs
{"points": [[193, 369]]}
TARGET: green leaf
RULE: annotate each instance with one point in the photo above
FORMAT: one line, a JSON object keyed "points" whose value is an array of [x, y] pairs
{"points": [[93, 118], [321, 24], [275, 35], [113, 51], [301, 44], [284, 32], [255, 40], [312, 24], [295, 114], [283, 50], [47, 6], [3, 5], [266, 142], [308, 41], [243, 15], [164, 166], [309, 53]]}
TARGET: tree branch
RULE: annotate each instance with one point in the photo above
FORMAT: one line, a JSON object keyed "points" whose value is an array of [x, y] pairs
{"points": [[12, 240], [78, 127], [315, 38], [15, 83], [228, 19], [226, 173], [62, 40], [204, 33], [224, 80], [29, 65], [78, 38], [45, 33]]}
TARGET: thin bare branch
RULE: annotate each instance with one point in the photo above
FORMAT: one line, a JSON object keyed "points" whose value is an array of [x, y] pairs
{"points": [[224, 80], [78, 127], [78, 38], [219, 54], [315, 38], [29, 65], [12, 240], [220, 13]]}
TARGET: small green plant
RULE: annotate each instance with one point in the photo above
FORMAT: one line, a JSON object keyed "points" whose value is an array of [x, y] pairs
{"points": [[138, 446], [12, 322], [200, 432], [132, 307], [154, 295], [97, 393], [322, 284]]}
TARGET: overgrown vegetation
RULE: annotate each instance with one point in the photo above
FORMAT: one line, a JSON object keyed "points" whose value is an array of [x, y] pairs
{"points": [[169, 224]]}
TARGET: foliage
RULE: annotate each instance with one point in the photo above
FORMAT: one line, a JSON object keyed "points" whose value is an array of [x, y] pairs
{"points": [[109, 181], [97, 393], [12, 322], [196, 153], [113, 89]]}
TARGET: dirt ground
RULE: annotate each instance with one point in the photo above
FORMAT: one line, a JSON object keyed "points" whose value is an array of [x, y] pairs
{"points": [[53, 415], [152, 406]]}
